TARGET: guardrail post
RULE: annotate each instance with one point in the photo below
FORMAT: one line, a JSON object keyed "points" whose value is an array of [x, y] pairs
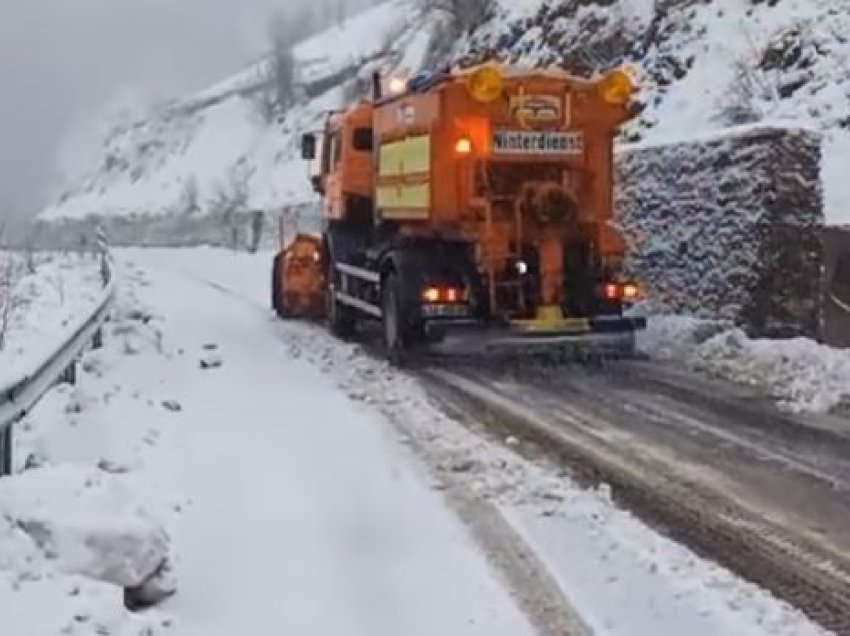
{"points": [[97, 340], [69, 375], [103, 251], [6, 451]]}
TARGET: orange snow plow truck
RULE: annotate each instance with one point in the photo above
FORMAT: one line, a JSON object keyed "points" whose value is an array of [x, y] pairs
{"points": [[476, 204]]}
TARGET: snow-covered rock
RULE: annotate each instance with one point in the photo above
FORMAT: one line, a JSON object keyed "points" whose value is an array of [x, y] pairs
{"points": [[88, 522], [64, 554]]}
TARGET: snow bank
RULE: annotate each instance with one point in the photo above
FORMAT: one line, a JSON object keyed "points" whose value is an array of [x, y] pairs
{"points": [[799, 373], [83, 525], [48, 306]]}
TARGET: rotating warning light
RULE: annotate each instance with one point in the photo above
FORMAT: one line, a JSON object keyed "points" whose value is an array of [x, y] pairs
{"points": [[617, 88], [485, 84]]}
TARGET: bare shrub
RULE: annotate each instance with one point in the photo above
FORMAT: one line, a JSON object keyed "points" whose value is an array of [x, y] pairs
{"points": [[11, 272]]}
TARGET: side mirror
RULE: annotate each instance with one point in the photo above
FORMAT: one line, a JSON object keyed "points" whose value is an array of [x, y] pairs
{"points": [[308, 146], [316, 181]]}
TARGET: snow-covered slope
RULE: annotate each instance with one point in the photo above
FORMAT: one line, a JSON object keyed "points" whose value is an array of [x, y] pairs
{"points": [[217, 149], [702, 65]]}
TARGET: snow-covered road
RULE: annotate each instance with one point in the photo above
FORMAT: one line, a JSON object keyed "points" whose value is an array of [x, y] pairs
{"points": [[305, 517], [310, 489]]}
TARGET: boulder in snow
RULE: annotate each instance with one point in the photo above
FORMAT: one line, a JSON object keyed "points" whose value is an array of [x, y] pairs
{"points": [[88, 522]]}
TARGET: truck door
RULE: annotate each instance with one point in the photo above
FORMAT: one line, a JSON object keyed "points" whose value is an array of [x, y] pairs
{"points": [[333, 178]]}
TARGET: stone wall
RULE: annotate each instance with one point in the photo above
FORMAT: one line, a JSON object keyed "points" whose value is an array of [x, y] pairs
{"points": [[729, 227]]}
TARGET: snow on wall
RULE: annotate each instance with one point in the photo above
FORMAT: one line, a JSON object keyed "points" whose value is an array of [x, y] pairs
{"points": [[729, 227]]}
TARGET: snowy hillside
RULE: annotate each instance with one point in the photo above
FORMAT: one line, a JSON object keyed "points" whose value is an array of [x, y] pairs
{"points": [[703, 65], [217, 149]]}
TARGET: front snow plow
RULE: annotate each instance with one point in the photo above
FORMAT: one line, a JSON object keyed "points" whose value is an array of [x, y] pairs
{"points": [[298, 289]]}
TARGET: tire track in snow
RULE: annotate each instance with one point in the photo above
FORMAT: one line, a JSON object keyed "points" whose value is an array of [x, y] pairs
{"points": [[696, 506]]}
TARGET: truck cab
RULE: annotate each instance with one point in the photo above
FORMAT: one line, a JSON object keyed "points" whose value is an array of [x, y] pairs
{"points": [[346, 167]]}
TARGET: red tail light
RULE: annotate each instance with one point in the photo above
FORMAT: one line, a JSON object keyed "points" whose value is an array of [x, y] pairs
{"points": [[619, 291], [435, 294]]}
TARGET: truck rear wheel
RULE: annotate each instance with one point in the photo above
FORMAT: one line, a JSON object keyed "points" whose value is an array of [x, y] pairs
{"points": [[395, 333]]}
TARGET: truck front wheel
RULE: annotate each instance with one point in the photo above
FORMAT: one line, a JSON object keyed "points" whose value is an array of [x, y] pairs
{"points": [[341, 320]]}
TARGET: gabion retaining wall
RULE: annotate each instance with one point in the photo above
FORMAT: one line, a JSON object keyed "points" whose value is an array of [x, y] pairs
{"points": [[729, 227], [837, 287]]}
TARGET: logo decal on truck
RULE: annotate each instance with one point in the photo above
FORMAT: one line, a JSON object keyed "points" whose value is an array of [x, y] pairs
{"points": [[536, 109], [527, 142]]}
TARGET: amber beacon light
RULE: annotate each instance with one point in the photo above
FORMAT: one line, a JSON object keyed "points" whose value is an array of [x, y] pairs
{"points": [[617, 87], [485, 84]]}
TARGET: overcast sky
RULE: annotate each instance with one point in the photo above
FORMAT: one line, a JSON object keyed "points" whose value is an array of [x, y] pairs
{"points": [[61, 60]]}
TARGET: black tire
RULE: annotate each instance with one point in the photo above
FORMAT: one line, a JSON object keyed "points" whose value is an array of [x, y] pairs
{"points": [[396, 336], [278, 302], [342, 322]]}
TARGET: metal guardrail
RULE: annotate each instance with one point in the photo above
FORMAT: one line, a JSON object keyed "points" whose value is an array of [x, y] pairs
{"points": [[19, 397]]}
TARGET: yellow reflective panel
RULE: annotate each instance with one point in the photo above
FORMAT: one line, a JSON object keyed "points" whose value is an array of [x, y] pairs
{"points": [[409, 156], [404, 196]]}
